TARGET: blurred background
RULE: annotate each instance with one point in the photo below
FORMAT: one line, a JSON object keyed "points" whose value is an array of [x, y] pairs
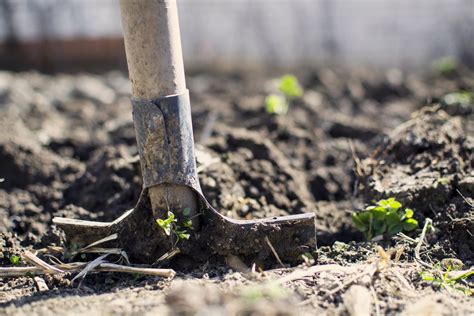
{"points": [[85, 35]]}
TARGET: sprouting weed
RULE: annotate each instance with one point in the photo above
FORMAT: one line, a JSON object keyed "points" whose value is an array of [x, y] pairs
{"points": [[170, 225], [445, 66], [15, 260], [276, 104], [442, 276], [167, 223], [288, 88], [462, 98], [386, 217]]}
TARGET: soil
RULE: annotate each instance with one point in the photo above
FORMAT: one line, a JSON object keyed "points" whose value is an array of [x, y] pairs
{"points": [[67, 148]]}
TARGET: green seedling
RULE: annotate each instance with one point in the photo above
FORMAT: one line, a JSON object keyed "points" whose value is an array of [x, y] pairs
{"points": [[15, 260], [445, 66], [461, 98], [307, 258], [442, 278], [169, 225], [276, 104], [384, 218], [288, 89]]}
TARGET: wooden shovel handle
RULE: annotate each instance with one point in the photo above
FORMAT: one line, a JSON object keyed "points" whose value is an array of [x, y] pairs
{"points": [[155, 64], [153, 46]]}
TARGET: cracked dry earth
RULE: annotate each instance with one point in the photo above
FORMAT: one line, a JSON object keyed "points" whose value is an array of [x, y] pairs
{"points": [[67, 148]]}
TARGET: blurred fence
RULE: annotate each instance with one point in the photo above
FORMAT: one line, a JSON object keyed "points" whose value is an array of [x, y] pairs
{"points": [[59, 34]]}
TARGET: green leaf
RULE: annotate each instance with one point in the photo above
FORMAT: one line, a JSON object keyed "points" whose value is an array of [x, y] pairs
{"points": [[276, 104], [379, 213], [188, 224], [182, 234], [379, 228], [426, 276], [186, 211], [463, 98], [166, 224], [408, 213], [359, 223], [394, 204], [379, 224], [410, 224], [289, 86], [15, 260], [392, 218], [445, 65], [362, 220], [394, 229]]}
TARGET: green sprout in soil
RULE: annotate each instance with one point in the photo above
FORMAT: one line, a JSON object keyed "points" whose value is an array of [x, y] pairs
{"points": [[443, 277], [288, 89], [461, 98], [385, 218], [170, 225], [445, 66], [15, 260]]}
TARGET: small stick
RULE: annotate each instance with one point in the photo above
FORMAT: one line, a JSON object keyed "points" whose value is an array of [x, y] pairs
{"points": [[74, 266], [274, 252], [428, 223], [298, 274], [33, 259], [112, 267]]}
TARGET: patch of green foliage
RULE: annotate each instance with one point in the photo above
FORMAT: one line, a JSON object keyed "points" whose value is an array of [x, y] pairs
{"points": [[170, 225], [442, 277], [167, 223], [288, 89], [15, 260], [276, 104], [445, 66], [385, 218], [461, 98]]}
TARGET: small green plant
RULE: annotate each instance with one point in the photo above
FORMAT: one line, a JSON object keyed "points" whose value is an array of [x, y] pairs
{"points": [[445, 66], [442, 277], [276, 104], [169, 225], [386, 217], [15, 260], [461, 98], [288, 88]]}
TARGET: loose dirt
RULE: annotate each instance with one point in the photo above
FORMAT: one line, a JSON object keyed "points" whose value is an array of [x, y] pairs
{"points": [[67, 148]]}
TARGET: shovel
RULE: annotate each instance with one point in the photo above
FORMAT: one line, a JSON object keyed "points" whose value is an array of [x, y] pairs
{"points": [[171, 192]]}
